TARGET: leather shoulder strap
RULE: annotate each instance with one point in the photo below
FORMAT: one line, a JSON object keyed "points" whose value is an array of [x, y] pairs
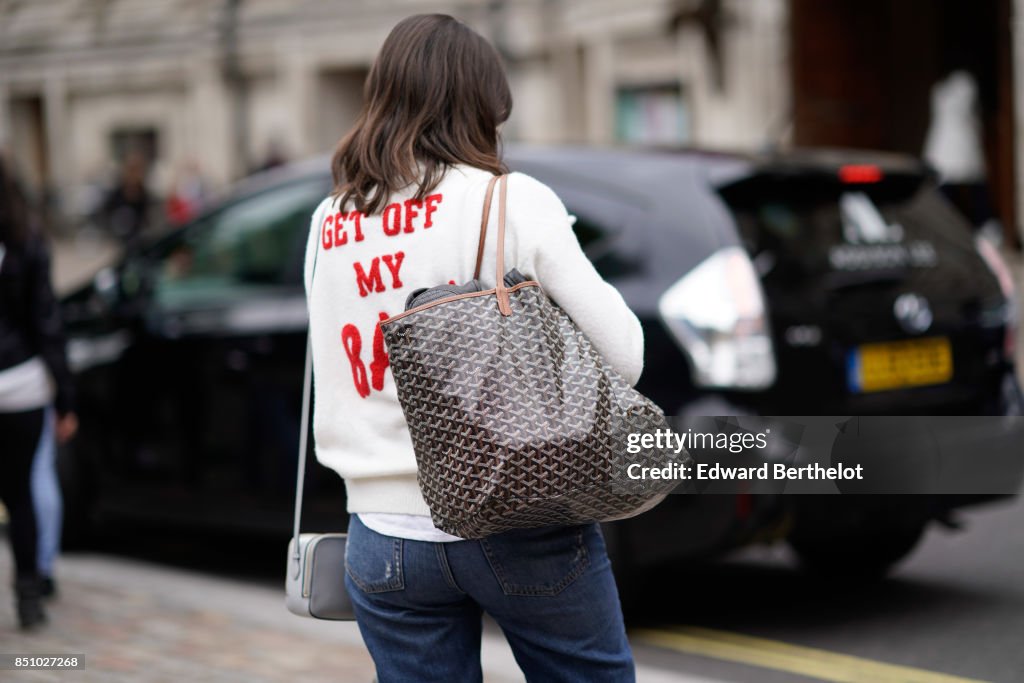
{"points": [[500, 289], [307, 398], [483, 226]]}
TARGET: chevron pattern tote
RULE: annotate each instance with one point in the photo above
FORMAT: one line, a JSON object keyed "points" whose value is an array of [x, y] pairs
{"points": [[515, 418]]}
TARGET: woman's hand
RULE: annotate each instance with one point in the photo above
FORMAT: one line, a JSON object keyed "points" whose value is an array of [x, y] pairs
{"points": [[67, 427]]}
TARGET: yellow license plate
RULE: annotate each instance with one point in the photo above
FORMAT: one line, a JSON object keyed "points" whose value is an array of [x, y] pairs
{"points": [[896, 365]]}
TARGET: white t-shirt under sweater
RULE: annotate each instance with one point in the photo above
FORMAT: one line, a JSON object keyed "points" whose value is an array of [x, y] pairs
{"points": [[366, 266]]}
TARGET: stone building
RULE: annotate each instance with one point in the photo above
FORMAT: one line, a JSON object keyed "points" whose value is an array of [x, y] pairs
{"points": [[229, 84]]}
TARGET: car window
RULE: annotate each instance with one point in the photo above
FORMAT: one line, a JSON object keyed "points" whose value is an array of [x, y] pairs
{"points": [[812, 229], [589, 232], [251, 244], [599, 244], [599, 224]]}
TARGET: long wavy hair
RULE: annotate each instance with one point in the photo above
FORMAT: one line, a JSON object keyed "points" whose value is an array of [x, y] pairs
{"points": [[434, 97]]}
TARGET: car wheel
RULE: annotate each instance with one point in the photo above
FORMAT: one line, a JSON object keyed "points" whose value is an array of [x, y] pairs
{"points": [[867, 553], [856, 536]]}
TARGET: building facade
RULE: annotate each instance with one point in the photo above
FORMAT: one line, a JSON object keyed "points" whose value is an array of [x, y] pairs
{"points": [[229, 85]]}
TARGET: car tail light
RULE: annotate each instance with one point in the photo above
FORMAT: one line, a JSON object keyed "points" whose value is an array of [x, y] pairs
{"points": [[860, 174], [1002, 273], [717, 314]]}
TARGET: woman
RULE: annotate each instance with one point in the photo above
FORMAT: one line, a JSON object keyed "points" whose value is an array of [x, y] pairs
{"points": [[410, 182], [32, 364]]}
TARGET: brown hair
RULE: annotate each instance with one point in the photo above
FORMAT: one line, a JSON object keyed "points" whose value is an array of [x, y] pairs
{"points": [[434, 97]]}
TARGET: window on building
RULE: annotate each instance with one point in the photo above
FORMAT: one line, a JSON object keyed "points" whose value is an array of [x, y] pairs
{"points": [[339, 101], [652, 115], [141, 140]]}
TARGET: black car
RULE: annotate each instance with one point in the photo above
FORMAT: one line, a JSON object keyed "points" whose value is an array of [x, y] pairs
{"points": [[801, 283]]}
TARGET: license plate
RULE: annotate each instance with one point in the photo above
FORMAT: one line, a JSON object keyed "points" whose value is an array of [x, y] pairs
{"points": [[896, 365]]}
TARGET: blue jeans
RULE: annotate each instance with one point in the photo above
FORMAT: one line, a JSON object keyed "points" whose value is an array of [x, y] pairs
{"points": [[419, 605], [46, 496]]}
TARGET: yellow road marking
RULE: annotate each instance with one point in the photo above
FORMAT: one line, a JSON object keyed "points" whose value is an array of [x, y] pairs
{"points": [[797, 659]]}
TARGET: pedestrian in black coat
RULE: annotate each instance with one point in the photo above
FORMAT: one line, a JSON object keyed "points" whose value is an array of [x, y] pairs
{"points": [[33, 374]]}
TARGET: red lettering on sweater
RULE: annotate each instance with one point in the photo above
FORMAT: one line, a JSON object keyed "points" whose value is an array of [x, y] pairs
{"points": [[357, 223], [392, 219], [394, 263], [371, 282], [352, 342], [325, 232], [353, 345], [380, 355], [340, 237], [334, 231], [401, 218], [412, 207], [432, 201], [397, 218]]}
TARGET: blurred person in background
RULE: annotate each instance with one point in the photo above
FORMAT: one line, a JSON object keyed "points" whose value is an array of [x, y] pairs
{"points": [[953, 146], [33, 374], [127, 208], [187, 196], [275, 157], [422, 153]]}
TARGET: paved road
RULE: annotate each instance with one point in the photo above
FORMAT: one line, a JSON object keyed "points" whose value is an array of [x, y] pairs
{"points": [[956, 607]]}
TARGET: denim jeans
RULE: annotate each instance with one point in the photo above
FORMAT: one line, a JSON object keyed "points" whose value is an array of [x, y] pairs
{"points": [[46, 495], [419, 605]]}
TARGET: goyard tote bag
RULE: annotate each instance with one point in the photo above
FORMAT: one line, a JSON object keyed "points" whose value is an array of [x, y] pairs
{"points": [[516, 420]]}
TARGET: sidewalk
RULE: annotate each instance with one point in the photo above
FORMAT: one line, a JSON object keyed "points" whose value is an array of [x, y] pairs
{"points": [[144, 623]]}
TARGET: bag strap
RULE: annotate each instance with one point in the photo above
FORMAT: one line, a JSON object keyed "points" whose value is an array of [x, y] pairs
{"points": [[500, 289], [483, 226], [307, 386], [307, 383]]}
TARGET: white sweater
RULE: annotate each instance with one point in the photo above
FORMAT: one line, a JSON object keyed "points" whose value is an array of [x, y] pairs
{"points": [[366, 266]]}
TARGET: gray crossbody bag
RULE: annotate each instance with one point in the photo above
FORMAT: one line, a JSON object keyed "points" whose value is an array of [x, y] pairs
{"points": [[315, 578]]}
